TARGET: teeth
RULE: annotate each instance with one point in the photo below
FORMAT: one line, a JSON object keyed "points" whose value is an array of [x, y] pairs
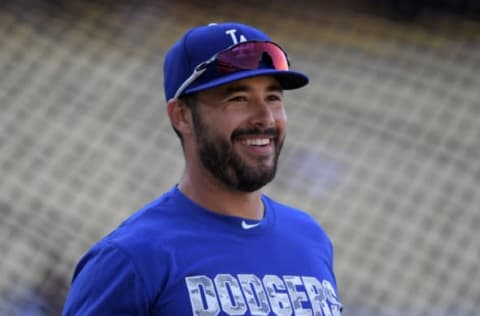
{"points": [[256, 141]]}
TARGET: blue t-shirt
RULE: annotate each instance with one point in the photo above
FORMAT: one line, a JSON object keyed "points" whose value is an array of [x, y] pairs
{"points": [[175, 258]]}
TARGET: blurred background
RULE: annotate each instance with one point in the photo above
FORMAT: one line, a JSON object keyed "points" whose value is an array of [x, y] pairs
{"points": [[383, 146]]}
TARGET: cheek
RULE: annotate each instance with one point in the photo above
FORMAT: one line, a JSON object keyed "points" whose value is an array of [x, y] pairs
{"points": [[222, 127], [281, 119]]}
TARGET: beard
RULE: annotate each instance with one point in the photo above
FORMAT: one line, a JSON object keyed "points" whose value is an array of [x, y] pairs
{"points": [[219, 158]]}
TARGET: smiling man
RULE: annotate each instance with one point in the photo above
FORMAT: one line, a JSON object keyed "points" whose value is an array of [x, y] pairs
{"points": [[232, 136], [215, 244]]}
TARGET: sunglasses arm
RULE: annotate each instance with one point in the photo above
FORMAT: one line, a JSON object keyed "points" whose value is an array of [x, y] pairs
{"points": [[199, 70]]}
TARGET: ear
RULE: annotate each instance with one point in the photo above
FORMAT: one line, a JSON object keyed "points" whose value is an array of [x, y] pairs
{"points": [[180, 116]]}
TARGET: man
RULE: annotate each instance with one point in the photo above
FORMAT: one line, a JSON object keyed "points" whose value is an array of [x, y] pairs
{"points": [[214, 244]]}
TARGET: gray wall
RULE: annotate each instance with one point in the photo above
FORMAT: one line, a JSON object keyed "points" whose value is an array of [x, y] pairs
{"points": [[383, 146]]}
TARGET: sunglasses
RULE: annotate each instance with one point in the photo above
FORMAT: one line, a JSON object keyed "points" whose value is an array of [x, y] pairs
{"points": [[242, 56]]}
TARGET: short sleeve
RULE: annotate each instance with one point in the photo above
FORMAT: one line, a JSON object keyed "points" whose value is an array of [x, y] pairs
{"points": [[105, 282]]}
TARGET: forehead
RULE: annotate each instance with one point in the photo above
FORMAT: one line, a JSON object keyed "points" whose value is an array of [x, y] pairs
{"points": [[257, 83]]}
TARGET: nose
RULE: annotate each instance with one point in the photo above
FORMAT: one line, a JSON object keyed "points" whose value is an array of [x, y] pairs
{"points": [[264, 114]]}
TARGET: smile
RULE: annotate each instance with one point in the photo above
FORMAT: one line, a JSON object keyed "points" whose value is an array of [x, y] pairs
{"points": [[256, 141]]}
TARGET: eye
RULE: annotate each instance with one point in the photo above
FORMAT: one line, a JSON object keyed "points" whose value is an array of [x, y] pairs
{"points": [[238, 98], [275, 97]]}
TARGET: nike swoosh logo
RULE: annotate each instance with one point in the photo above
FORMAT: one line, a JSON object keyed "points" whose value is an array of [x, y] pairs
{"points": [[246, 225]]}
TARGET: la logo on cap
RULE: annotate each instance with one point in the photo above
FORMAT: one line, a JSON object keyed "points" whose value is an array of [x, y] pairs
{"points": [[233, 35]]}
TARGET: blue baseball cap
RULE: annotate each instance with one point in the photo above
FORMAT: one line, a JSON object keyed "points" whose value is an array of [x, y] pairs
{"points": [[200, 44]]}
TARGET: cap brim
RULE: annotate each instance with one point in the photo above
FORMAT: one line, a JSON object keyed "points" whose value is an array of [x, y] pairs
{"points": [[288, 79]]}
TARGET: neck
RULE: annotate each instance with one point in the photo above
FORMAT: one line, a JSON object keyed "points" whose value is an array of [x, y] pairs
{"points": [[207, 191]]}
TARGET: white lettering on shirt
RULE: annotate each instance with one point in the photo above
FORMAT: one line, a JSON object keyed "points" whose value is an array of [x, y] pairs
{"points": [[247, 294]]}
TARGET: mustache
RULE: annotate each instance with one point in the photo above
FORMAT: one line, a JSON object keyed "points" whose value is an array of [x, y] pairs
{"points": [[255, 131]]}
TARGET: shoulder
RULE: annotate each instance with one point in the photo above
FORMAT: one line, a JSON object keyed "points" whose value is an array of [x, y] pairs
{"points": [[290, 212], [141, 240], [128, 257], [147, 232], [295, 219]]}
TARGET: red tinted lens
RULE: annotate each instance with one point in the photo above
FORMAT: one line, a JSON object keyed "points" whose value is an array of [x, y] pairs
{"points": [[248, 55]]}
